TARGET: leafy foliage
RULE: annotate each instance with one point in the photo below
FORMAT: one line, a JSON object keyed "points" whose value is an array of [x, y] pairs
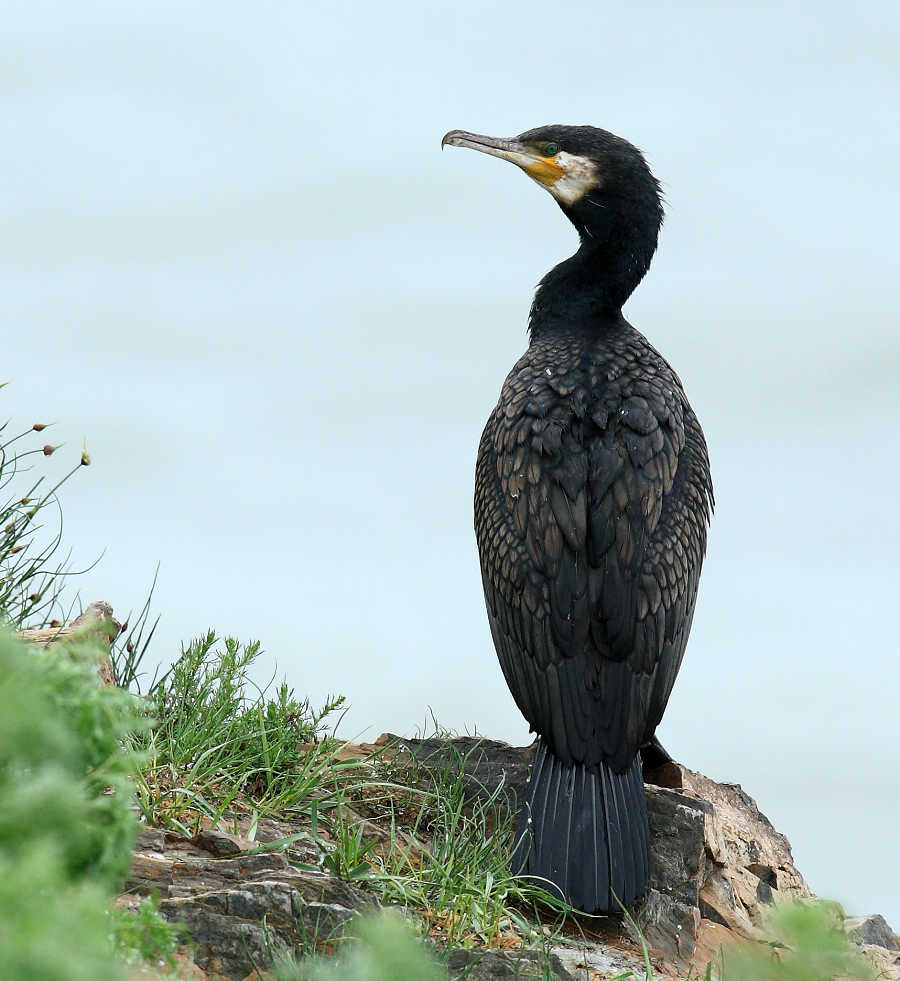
{"points": [[64, 779], [386, 950], [807, 944], [65, 828], [142, 935], [51, 928]]}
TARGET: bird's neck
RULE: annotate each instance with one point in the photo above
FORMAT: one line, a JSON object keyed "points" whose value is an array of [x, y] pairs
{"points": [[589, 288]]}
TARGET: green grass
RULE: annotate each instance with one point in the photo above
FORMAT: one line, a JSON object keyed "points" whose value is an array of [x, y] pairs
{"points": [[220, 747], [444, 855], [218, 744]]}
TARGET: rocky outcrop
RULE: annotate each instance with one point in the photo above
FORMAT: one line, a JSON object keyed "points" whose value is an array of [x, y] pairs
{"points": [[241, 904], [497, 965], [872, 931], [106, 631], [715, 856], [717, 864]]}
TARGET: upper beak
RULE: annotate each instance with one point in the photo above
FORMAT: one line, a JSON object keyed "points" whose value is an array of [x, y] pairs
{"points": [[543, 169], [495, 146]]}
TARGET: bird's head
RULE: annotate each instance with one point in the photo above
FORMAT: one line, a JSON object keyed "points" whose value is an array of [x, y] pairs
{"points": [[602, 183]]}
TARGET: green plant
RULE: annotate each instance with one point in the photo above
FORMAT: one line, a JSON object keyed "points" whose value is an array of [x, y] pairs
{"points": [[351, 856], [220, 743], [61, 759], [32, 577], [645, 950], [51, 928], [129, 649], [141, 935], [65, 827], [807, 943], [447, 857], [384, 949]]}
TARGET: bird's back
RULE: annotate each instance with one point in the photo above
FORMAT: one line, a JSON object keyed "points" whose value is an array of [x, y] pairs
{"points": [[592, 499]]}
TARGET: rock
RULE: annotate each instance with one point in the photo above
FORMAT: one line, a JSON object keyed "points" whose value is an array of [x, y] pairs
{"points": [[487, 764], [872, 930], [592, 961], [677, 835], [669, 926], [497, 965], [99, 612], [241, 909], [711, 939], [149, 840], [670, 916], [749, 864], [886, 962], [222, 845]]}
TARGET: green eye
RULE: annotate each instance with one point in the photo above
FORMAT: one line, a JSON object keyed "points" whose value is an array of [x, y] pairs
{"points": [[551, 150]]}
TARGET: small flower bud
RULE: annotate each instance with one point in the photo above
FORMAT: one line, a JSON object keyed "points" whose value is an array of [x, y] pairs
{"points": [[39, 427], [48, 449], [85, 459]]}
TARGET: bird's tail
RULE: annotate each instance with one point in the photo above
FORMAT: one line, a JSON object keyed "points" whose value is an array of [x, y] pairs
{"points": [[585, 830]]}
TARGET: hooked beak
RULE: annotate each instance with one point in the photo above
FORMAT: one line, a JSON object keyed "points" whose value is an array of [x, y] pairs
{"points": [[545, 170]]}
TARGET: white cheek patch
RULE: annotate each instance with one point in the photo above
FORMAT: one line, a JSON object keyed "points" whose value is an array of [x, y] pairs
{"points": [[579, 176]]}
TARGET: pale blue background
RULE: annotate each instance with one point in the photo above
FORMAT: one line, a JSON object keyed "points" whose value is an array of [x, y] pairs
{"points": [[235, 260]]}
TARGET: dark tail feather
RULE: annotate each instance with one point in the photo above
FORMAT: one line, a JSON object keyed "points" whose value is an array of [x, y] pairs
{"points": [[585, 830]]}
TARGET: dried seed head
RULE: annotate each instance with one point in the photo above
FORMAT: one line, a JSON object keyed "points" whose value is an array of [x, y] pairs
{"points": [[39, 427], [48, 449]]}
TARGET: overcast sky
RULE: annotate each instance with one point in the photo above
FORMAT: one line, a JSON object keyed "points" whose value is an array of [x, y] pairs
{"points": [[235, 260]]}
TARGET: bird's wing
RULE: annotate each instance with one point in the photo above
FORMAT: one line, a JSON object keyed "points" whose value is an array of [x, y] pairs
{"points": [[591, 511]]}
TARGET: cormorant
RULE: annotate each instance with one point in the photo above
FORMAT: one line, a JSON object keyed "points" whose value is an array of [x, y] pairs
{"points": [[592, 499]]}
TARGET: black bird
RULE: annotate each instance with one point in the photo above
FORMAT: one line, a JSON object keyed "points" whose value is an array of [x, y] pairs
{"points": [[592, 499]]}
